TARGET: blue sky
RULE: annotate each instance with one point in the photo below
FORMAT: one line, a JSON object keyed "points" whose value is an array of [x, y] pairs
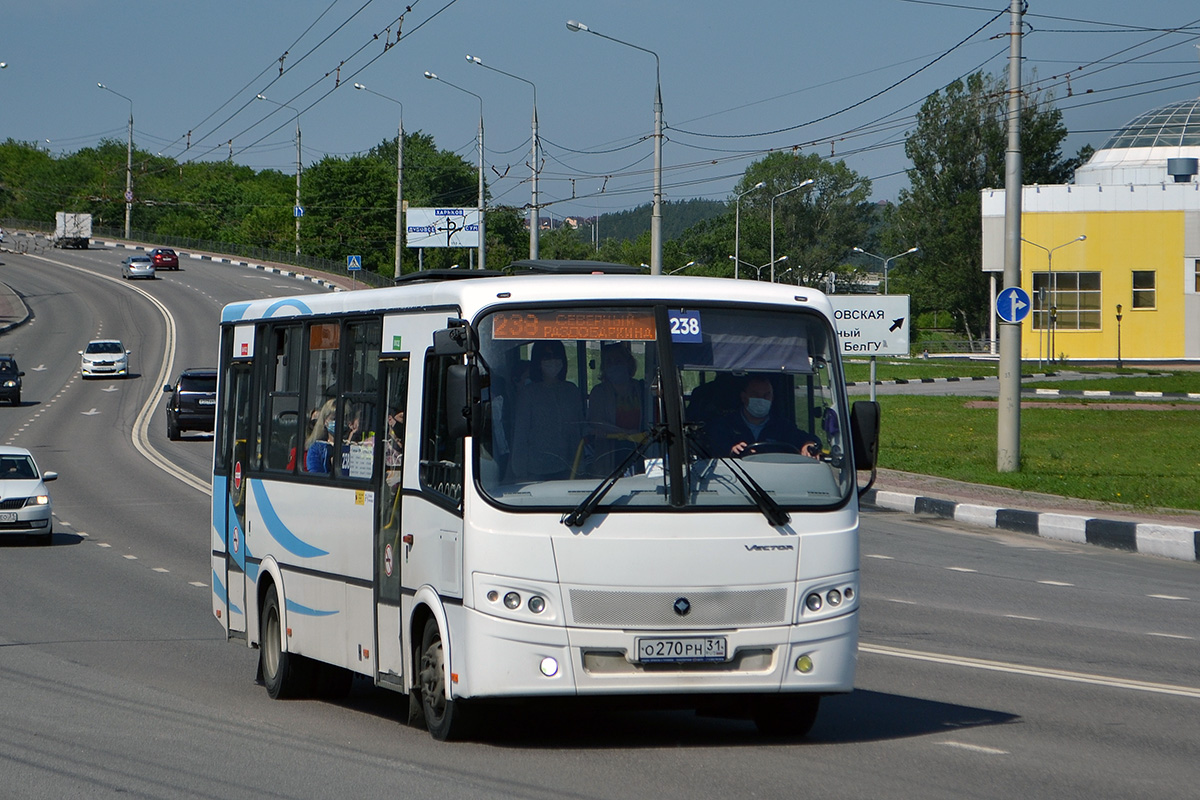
{"points": [[738, 79]]}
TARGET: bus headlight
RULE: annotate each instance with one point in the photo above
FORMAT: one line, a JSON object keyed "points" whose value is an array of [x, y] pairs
{"points": [[813, 602], [537, 604], [512, 600]]}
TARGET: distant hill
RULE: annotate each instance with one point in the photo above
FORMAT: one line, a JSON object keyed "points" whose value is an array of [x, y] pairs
{"points": [[677, 216]]}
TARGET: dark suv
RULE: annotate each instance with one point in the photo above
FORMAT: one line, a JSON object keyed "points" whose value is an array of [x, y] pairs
{"points": [[10, 380], [192, 405]]}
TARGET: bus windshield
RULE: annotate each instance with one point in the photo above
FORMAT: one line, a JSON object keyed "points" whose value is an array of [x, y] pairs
{"points": [[577, 397]]}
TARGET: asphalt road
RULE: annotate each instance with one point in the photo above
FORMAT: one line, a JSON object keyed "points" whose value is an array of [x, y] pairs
{"points": [[992, 664]]}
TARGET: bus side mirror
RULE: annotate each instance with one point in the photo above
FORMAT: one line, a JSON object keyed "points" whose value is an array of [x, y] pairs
{"points": [[864, 433], [462, 400], [455, 340]]}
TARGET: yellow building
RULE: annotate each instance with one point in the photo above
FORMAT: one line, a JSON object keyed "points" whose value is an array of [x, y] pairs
{"points": [[1136, 203]]}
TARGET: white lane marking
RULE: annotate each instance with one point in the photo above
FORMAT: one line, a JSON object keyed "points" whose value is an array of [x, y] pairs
{"points": [[161, 569], [103, 544], [1033, 672], [1055, 583], [1170, 636], [1167, 597], [1018, 616], [901, 602], [974, 748], [198, 583], [131, 558], [91, 413], [961, 569], [884, 558]]}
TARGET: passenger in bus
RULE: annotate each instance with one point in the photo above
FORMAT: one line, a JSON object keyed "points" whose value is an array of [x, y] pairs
{"points": [[615, 409], [756, 422], [318, 453], [548, 423]]}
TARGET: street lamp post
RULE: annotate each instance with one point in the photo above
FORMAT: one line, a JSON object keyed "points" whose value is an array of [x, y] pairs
{"points": [[681, 269], [737, 226], [887, 262], [800, 185], [656, 215], [1050, 279], [535, 214], [1119, 336], [758, 269], [128, 160], [399, 177], [482, 250], [783, 274], [295, 211]]}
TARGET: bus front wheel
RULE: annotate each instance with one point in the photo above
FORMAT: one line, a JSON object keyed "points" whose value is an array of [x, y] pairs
{"points": [[445, 719], [786, 715], [283, 673]]}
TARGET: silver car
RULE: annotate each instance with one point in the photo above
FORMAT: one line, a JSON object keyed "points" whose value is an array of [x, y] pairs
{"points": [[137, 267], [25, 508], [104, 357]]}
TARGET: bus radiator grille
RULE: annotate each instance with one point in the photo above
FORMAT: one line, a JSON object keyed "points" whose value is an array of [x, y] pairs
{"points": [[596, 608]]}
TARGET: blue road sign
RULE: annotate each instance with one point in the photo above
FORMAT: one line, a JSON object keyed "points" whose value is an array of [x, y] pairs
{"points": [[353, 262], [298, 211], [1012, 305]]}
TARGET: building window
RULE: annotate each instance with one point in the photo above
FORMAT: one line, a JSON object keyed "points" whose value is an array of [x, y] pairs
{"points": [[1196, 267], [1074, 297], [1143, 288]]}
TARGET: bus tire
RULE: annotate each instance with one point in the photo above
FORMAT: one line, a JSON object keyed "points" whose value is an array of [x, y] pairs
{"points": [[284, 674], [786, 715], [445, 719]]}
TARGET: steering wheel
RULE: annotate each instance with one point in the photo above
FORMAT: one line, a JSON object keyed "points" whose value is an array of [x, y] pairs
{"points": [[765, 448]]}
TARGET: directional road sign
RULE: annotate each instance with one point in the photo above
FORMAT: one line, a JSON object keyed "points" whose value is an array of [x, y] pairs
{"points": [[298, 211], [1012, 305], [871, 324]]}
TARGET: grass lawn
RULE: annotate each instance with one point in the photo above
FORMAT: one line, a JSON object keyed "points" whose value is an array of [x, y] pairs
{"points": [[1137, 456]]}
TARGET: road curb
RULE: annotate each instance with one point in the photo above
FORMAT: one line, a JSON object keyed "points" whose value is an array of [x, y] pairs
{"points": [[1169, 541]]}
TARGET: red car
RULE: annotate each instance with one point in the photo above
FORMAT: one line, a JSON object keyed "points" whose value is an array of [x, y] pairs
{"points": [[164, 258]]}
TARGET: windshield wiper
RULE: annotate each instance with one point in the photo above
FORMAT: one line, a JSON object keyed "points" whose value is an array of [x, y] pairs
{"points": [[766, 504], [584, 510]]}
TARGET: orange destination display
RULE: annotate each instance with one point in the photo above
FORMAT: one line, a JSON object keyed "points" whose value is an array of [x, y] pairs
{"points": [[608, 325]]}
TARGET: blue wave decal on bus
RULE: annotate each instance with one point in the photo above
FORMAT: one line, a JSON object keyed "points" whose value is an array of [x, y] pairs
{"points": [[234, 312], [296, 304], [295, 608], [223, 595], [279, 531]]}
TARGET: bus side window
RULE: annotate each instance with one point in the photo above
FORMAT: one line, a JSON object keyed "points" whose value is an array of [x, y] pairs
{"points": [[441, 455]]}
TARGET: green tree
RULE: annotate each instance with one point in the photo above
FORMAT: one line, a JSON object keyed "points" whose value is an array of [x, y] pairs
{"points": [[957, 149]]}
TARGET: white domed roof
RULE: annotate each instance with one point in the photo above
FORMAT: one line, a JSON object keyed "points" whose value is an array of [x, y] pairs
{"points": [[1139, 151]]}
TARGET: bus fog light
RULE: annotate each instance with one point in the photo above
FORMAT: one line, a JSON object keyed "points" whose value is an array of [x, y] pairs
{"points": [[549, 667], [493, 596], [537, 604], [804, 664], [849, 593], [813, 601], [834, 598], [512, 600]]}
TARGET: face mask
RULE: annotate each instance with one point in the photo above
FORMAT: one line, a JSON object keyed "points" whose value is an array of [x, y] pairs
{"points": [[331, 427], [758, 407], [551, 368]]}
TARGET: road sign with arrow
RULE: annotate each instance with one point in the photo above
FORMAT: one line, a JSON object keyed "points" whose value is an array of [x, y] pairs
{"points": [[872, 324]]}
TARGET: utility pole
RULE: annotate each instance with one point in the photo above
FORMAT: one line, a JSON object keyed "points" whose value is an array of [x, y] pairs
{"points": [[1008, 424]]}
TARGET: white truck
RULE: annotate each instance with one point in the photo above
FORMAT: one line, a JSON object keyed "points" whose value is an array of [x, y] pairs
{"points": [[72, 230]]}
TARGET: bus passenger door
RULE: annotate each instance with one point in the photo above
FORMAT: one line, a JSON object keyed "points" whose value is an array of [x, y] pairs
{"points": [[236, 434], [389, 544]]}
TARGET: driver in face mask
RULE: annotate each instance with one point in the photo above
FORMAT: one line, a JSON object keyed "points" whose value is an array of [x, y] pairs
{"points": [[753, 423]]}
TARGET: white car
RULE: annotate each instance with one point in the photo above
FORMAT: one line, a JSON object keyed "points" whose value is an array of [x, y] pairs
{"points": [[137, 267], [104, 357], [24, 501]]}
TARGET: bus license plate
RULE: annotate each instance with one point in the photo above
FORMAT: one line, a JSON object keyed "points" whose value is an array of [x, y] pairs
{"points": [[8, 516], [682, 648]]}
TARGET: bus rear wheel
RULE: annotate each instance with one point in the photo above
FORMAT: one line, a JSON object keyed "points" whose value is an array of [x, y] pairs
{"points": [[284, 674], [446, 719], [786, 715]]}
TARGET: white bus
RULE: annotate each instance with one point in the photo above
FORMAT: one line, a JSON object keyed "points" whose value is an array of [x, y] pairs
{"points": [[559, 482]]}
